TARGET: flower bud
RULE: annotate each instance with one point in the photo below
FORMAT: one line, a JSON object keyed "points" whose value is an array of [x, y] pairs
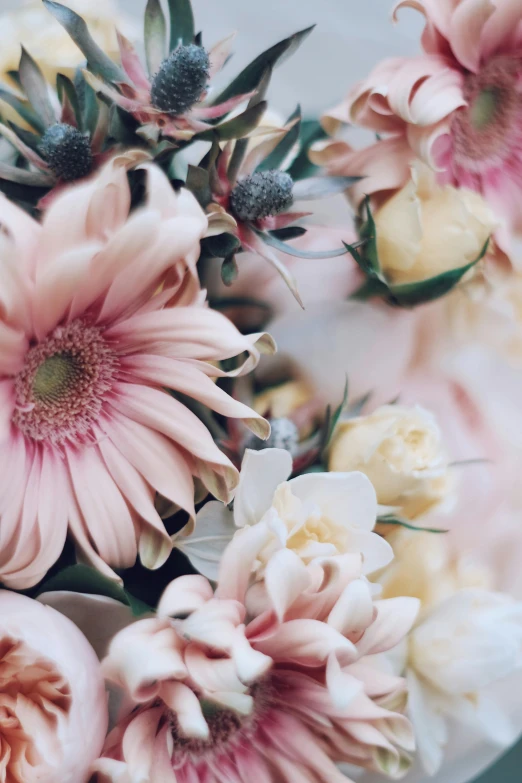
{"points": [[425, 229], [67, 151], [181, 79], [261, 195], [284, 434], [400, 450]]}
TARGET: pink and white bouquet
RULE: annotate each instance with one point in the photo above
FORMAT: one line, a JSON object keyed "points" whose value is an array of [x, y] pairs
{"points": [[260, 505]]}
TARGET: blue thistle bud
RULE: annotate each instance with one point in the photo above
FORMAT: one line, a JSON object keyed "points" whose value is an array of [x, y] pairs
{"points": [[67, 151], [261, 195], [283, 435], [181, 79]]}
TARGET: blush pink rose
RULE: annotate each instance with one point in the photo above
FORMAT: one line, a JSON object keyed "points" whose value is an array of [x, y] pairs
{"points": [[53, 706]]}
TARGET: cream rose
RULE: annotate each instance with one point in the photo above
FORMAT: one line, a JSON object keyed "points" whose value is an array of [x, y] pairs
{"points": [[33, 27], [400, 450], [425, 229]]}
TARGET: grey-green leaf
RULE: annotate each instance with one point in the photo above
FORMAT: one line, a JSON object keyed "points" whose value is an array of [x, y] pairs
{"points": [[65, 87], [99, 62], [36, 88], [250, 78], [229, 270], [155, 35], [182, 26], [278, 156], [321, 187], [22, 108], [24, 177], [273, 241], [236, 128]]}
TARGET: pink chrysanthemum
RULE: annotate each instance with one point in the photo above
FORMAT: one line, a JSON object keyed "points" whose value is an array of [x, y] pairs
{"points": [[458, 106], [100, 312], [286, 697]]}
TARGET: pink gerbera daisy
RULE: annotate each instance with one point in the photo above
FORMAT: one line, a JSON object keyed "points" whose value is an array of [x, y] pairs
{"points": [[100, 312], [458, 106], [286, 697]]}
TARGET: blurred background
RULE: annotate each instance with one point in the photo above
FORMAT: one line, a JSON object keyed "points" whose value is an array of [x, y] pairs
{"points": [[351, 36]]}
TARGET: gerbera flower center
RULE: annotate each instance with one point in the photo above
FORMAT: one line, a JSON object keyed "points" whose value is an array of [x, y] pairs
{"points": [[225, 726], [65, 379], [485, 130]]}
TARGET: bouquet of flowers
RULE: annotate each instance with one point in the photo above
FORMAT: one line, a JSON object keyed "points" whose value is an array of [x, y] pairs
{"points": [[260, 511]]}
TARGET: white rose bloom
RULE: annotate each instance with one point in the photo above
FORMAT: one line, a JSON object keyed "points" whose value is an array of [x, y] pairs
{"points": [[400, 450], [316, 515]]}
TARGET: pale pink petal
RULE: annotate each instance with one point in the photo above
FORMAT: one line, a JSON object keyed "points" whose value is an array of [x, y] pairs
{"points": [[286, 578], [184, 595], [467, 23], [214, 675], [184, 378], [22, 230], [106, 514], [185, 705], [238, 559], [395, 617], [212, 112], [353, 613], [220, 53], [348, 499], [342, 685], [500, 29], [308, 642], [138, 743], [7, 403], [13, 345], [131, 63]]}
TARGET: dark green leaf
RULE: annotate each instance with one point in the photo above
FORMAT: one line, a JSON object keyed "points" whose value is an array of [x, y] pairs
{"points": [[391, 520], [333, 419], [270, 239], [311, 131], [371, 288], [181, 22], [15, 77], [88, 103], [229, 270], [36, 88], [65, 87], [237, 127], [221, 245], [250, 78], [198, 183], [23, 108], [28, 138], [99, 62], [155, 35], [83, 579], [368, 232], [322, 187], [411, 294], [288, 233], [277, 157]]}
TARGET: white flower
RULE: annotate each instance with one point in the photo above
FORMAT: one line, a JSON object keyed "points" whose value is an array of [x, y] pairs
{"points": [[468, 642], [316, 515], [400, 450]]}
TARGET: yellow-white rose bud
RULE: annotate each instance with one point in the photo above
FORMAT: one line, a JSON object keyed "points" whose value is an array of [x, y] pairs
{"points": [[426, 229], [400, 450], [48, 43]]}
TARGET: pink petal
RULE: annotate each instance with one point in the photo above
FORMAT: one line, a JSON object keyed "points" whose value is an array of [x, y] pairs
{"points": [[138, 742], [188, 380], [395, 617], [308, 642], [220, 53], [105, 512], [13, 346], [467, 24], [286, 578], [22, 230], [132, 63], [185, 705], [155, 457], [212, 674], [184, 595], [238, 560], [211, 112], [155, 544], [500, 29]]}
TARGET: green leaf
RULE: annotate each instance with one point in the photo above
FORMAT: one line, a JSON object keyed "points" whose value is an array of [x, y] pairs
{"points": [[270, 239], [65, 87], [221, 245], [181, 22], [411, 294], [277, 157], [99, 62], [237, 127], [155, 35], [199, 184], [368, 232], [311, 131], [333, 419], [250, 78], [83, 579], [321, 187], [288, 233], [88, 103], [36, 88], [31, 140], [23, 108], [229, 270], [371, 288], [391, 520]]}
